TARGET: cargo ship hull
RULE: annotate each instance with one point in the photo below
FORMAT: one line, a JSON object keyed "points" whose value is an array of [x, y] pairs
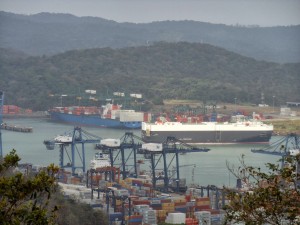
{"points": [[93, 120], [209, 133]]}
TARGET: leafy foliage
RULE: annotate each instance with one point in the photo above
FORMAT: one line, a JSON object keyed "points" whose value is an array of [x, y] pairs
{"points": [[37, 200], [274, 197], [171, 71], [25, 200], [75, 213]]}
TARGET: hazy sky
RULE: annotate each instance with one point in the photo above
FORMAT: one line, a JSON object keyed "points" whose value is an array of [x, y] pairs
{"points": [[231, 12]]}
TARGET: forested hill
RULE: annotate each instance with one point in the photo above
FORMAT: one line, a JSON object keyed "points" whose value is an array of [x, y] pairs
{"points": [[49, 34], [163, 70]]}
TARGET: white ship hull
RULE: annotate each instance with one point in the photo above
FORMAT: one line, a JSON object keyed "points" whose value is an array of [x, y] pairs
{"points": [[210, 132]]}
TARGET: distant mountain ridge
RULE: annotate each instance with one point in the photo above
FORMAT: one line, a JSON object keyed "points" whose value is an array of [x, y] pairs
{"points": [[49, 34]]}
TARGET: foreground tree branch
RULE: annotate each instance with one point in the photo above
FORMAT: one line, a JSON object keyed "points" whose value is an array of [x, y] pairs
{"points": [[271, 198]]}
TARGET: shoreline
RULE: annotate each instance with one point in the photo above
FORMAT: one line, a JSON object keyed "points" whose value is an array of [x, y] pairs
{"points": [[282, 125]]}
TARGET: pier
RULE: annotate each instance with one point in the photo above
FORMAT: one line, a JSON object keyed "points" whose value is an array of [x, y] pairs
{"points": [[16, 128]]}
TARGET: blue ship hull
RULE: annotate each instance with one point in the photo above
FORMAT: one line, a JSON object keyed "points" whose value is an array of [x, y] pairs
{"points": [[95, 121]]}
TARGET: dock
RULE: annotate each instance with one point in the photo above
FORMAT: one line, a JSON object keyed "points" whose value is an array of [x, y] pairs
{"points": [[5, 126]]}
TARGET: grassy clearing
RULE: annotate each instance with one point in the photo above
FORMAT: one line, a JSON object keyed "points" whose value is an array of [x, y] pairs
{"points": [[284, 127]]}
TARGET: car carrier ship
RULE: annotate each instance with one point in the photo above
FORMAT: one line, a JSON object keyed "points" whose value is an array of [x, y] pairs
{"points": [[238, 130]]}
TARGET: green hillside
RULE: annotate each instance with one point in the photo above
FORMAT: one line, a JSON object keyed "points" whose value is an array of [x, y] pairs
{"points": [[160, 71]]}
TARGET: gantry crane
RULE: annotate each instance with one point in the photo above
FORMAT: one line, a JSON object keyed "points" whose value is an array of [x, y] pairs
{"points": [[75, 137], [282, 147], [170, 146], [186, 165], [126, 147]]}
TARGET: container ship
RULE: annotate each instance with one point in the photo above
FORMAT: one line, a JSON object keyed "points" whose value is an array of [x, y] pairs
{"points": [[238, 130], [109, 115]]}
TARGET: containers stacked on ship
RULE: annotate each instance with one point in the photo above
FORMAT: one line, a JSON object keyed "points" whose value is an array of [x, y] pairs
{"points": [[111, 116], [91, 120], [131, 119]]}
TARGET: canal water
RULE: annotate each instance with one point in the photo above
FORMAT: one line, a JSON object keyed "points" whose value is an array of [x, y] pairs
{"points": [[203, 168]]}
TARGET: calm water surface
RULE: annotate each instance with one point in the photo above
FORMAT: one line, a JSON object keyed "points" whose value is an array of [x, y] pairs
{"points": [[199, 168]]}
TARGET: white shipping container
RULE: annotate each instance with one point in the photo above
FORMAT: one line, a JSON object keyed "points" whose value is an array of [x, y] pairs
{"points": [[91, 92], [155, 147], [115, 114], [136, 95], [119, 94], [176, 218], [111, 142], [126, 116], [121, 192]]}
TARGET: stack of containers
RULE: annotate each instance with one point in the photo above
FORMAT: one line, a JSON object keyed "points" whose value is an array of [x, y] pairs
{"points": [[202, 204], [180, 205], [155, 203], [146, 188], [121, 192], [140, 202], [161, 215], [190, 207], [191, 221], [149, 217], [5, 109], [117, 216], [135, 220], [140, 192], [169, 207], [176, 218], [10, 109], [141, 208], [204, 217]]}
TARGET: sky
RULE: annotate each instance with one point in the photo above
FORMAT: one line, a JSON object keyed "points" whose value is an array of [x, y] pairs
{"points": [[230, 12]]}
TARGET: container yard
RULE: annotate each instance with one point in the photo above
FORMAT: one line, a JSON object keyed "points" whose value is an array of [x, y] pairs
{"points": [[133, 201], [133, 196]]}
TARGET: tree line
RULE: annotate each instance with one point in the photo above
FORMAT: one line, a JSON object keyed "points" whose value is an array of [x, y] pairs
{"points": [[162, 71]]}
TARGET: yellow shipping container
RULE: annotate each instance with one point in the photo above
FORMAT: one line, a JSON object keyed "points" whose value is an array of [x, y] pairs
{"points": [[109, 184], [179, 200], [202, 203]]}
